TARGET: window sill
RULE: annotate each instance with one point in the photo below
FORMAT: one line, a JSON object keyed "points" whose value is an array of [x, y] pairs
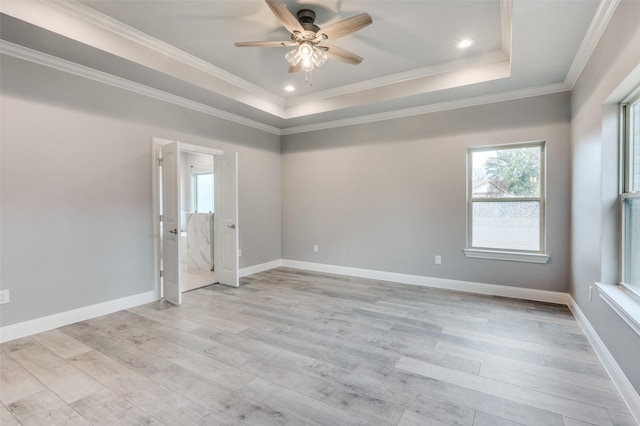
{"points": [[623, 303], [507, 255]]}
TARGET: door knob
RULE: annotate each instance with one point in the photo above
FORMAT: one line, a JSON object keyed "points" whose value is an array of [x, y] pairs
{"points": [[173, 231], [232, 226]]}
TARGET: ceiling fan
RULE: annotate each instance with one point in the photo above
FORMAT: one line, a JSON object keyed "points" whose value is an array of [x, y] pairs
{"points": [[308, 39]]}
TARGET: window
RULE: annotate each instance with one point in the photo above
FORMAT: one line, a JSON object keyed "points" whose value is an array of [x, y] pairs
{"points": [[203, 192], [630, 195], [506, 202]]}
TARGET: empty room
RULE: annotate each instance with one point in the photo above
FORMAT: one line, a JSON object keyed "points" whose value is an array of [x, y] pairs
{"points": [[292, 212]]}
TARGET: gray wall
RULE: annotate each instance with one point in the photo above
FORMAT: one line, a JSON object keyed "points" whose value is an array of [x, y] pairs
{"points": [[595, 179], [76, 218], [390, 195]]}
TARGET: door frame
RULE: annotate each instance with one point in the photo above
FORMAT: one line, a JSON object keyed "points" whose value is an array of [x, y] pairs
{"points": [[157, 144]]}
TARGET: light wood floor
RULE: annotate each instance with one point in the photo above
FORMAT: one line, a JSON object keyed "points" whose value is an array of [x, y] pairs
{"points": [[298, 348]]}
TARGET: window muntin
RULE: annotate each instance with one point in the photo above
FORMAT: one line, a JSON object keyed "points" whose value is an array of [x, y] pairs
{"points": [[630, 196], [506, 201]]}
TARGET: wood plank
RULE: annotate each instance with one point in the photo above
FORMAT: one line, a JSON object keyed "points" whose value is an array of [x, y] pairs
{"points": [[152, 397], [561, 406], [47, 409], [17, 383], [409, 418], [61, 343], [545, 371], [484, 419], [573, 392], [6, 418], [69, 383], [106, 408], [295, 347]]}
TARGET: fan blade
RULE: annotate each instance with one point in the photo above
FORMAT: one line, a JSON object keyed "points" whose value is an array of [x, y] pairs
{"points": [[295, 69], [342, 55], [265, 43], [345, 27], [285, 17]]}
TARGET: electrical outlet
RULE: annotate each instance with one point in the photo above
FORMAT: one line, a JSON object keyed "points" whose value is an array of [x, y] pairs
{"points": [[4, 296], [239, 252], [315, 248], [438, 259], [590, 293]]}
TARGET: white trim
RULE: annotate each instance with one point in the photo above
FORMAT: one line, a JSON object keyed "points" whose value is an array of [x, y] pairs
{"points": [[38, 325], [24, 53], [506, 21], [393, 79], [112, 25], [597, 27], [624, 304], [427, 109], [618, 377], [156, 143], [455, 285], [511, 256], [261, 267]]}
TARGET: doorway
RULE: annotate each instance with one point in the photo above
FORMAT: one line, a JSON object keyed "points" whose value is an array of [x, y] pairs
{"points": [[197, 235], [195, 200]]}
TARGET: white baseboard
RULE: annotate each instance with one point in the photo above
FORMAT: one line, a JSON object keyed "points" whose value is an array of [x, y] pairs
{"points": [[618, 377], [38, 325], [254, 269], [457, 285]]}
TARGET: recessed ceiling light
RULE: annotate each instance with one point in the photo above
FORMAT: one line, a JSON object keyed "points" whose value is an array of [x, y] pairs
{"points": [[465, 43], [289, 88]]}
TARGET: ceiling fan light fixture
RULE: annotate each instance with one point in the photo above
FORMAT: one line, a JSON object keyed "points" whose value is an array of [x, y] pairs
{"points": [[293, 57], [319, 57], [307, 35], [306, 50], [307, 65]]}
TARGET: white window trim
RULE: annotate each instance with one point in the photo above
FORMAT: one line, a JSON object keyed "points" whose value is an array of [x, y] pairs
{"points": [[625, 186], [505, 254], [623, 302], [513, 256]]}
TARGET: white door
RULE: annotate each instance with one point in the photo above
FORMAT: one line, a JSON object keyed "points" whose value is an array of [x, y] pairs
{"points": [[171, 222], [226, 218]]}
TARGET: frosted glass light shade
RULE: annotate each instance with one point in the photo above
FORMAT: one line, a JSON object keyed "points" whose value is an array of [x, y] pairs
{"points": [[319, 57], [293, 57]]}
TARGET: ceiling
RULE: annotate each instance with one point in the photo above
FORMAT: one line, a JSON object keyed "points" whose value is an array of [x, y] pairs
{"points": [[182, 52]]}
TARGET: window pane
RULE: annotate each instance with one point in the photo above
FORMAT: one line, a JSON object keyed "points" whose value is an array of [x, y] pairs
{"points": [[506, 225], [513, 172], [631, 249], [634, 166], [204, 192]]}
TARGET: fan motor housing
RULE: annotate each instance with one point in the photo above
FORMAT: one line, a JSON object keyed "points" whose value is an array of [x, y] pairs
{"points": [[307, 17]]}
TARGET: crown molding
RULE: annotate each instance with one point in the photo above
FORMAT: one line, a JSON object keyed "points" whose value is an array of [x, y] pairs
{"points": [[65, 18], [24, 53], [427, 109], [599, 23], [601, 19], [506, 24], [101, 20], [407, 76], [84, 24]]}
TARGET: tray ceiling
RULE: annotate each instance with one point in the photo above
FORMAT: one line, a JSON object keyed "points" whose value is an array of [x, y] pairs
{"points": [[183, 51]]}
